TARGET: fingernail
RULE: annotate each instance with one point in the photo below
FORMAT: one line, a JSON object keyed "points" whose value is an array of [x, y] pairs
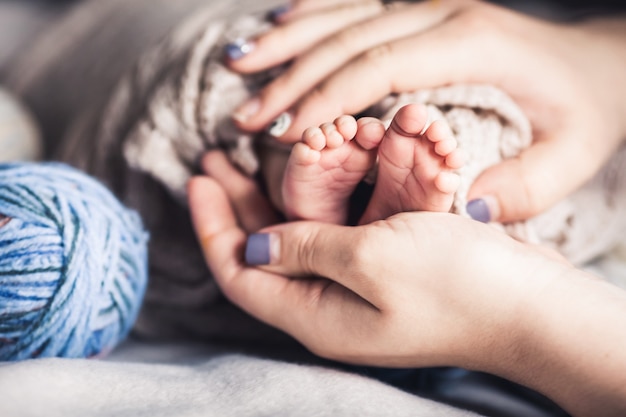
{"points": [[276, 13], [479, 210], [238, 49], [258, 249], [247, 110], [280, 125]]}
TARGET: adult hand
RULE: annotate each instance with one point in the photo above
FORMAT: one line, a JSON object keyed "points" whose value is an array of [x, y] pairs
{"points": [[423, 289], [241, 190], [414, 290], [568, 80]]}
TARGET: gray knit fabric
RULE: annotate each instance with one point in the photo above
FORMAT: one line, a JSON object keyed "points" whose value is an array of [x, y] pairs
{"points": [[138, 113]]}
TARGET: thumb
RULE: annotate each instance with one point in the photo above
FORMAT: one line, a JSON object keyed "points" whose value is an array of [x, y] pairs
{"points": [[342, 254], [524, 186]]}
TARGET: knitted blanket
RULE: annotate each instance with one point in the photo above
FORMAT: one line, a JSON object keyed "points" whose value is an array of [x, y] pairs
{"points": [[139, 113]]}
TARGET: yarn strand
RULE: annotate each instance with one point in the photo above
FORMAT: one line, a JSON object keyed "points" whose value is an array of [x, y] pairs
{"points": [[73, 264]]}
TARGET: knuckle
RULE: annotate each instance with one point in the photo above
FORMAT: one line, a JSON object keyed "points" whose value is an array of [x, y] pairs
{"points": [[306, 251], [483, 32], [363, 8], [345, 39], [356, 258], [480, 21], [473, 19], [475, 22], [378, 54], [360, 255]]}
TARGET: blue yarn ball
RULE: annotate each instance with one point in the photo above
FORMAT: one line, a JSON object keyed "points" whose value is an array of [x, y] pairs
{"points": [[73, 264]]}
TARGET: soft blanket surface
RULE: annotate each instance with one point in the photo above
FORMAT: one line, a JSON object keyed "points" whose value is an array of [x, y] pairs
{"points": [[186, 380], [192, 380]]}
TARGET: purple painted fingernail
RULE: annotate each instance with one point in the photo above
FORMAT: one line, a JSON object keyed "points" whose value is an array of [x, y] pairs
{"points": [[258, 249], [277, 12], [238, 49], [479, 210]]}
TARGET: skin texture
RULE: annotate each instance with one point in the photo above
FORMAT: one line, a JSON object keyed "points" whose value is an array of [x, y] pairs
{"points": [[567, 78], [415, 170], [493, 304]]}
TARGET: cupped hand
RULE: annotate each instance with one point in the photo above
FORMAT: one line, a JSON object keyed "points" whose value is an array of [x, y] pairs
{"points": [[568, 80], [418, 289]]}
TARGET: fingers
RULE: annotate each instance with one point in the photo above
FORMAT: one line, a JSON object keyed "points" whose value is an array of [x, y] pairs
{"points": [[370, 132], [267, 296], [340, 253], [299, 8], [539, 177], [215, 223], [434, 58], [329, 55], [296, 36], [309, 310], [251, 207]]}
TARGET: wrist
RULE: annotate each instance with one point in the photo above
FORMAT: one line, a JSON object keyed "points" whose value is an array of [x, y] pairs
{"points": [[513, 333], [505, 312], [568, 341]]}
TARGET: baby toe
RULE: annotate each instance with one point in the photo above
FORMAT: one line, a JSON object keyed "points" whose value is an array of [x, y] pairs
{"points": [[314, 138], [370, 132], [447, 182], [445, 147], [346, 126], [303, 154], [334, 139], [438, 131], [456, 159]]}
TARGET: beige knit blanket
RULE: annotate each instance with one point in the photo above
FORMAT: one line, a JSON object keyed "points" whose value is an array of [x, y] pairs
{"points": [[145, 138], [191, 113]]}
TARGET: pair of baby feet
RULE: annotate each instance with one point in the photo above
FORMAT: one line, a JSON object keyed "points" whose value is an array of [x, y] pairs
{"points": [[415, 167]]}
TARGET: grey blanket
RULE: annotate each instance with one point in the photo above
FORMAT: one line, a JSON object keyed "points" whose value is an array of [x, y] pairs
{"points": [[189, 381]]}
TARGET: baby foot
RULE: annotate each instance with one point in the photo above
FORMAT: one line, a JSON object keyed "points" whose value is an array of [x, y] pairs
{"points": [[414, 171], [326, 166]]}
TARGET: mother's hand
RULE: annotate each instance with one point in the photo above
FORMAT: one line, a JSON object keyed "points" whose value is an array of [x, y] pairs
{"points": [[418, 289], [348, 54]]}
